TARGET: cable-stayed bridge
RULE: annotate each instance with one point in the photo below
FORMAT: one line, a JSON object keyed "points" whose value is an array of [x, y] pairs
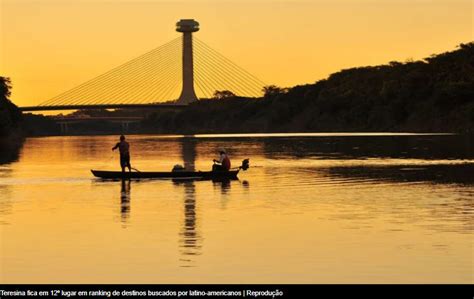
{"points": [[171, 75]]}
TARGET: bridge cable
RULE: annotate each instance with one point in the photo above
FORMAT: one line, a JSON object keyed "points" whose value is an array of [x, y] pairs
{"points": [[234, 87], [230, 62], [229, 69], [152, 77], [243, 88], [88, 92], [138, 73], [116, 72]]}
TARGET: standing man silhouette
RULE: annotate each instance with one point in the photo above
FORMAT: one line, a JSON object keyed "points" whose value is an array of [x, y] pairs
{"points": [[124, 149]]}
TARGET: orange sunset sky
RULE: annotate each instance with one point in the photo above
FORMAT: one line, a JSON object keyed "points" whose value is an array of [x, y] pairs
{"points": [[48, 46]]}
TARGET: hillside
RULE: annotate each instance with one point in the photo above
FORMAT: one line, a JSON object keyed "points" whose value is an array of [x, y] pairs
{"points": [[432, 95]]}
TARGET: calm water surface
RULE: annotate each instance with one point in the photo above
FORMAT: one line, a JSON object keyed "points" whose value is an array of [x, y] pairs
{"points": [[321, 208]]}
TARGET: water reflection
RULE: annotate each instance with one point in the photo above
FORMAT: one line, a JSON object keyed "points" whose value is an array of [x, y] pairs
{"points": [[6, 204], [360, 147], [190, 238], [436, 174], [222, 185], [188, 151], [125, 201], [190, 241], [10, 150]]}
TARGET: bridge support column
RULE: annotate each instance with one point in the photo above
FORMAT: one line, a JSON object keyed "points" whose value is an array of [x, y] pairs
{"points": [[64, 127], [187, 27], [125, 126]]}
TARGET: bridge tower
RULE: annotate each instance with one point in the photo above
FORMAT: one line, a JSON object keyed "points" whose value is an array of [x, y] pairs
{"points": [[187, 27]]}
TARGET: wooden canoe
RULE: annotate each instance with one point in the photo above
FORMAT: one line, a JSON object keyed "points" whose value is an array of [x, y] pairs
{"points": [[104, 174]]}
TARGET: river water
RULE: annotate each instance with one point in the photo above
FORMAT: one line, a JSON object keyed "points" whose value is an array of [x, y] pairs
{"points": [[312, 208]]}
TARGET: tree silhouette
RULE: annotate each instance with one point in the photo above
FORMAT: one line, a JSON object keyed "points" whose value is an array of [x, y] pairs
{"points": [[273, 90], [223, 94], [10, 115]]}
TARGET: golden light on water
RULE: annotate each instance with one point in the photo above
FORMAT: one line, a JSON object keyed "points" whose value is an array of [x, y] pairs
{"points": [[317, 218]]}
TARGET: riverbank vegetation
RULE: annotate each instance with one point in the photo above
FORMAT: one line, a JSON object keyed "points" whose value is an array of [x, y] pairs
{"points": [[431, 95], [10, 115], [11, 136]]}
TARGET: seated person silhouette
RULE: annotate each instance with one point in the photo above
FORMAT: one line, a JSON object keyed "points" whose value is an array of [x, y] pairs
{"points": [[223, 164]]}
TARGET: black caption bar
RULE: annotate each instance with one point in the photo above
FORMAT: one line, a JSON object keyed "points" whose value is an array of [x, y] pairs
{"points": [[236, 291]]}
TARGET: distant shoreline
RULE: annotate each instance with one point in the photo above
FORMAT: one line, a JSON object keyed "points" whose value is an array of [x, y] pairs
{"points": [[267, 135]]}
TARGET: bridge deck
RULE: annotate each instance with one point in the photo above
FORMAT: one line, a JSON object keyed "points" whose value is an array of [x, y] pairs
{"points": [[106, 106], [93, 118]]}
